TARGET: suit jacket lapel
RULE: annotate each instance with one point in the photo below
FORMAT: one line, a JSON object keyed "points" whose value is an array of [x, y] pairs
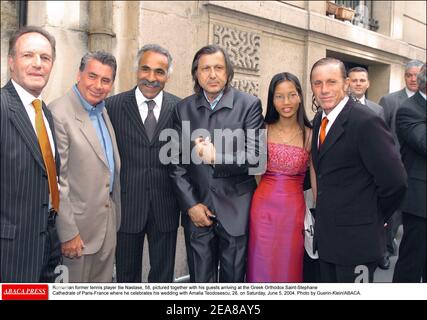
{"points": [[131, 110], [336, 130], [165, 111], [113, 139], [52, 128], [226, 101], [23, 124], [421, 102], [314, 141], [402, 96], [86, 127]]}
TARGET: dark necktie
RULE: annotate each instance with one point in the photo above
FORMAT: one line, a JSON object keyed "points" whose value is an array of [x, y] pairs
{"points": [[150, 122], [46, 151]]}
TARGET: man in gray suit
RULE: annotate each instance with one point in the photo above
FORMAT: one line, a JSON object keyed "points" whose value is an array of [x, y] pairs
{"points": [[89, 213], [29, 245], [358, 85], [391, 102], [215, 187]]}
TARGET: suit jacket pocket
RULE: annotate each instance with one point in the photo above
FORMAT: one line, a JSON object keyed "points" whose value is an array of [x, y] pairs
{"points": [[245, 186], [78, 207], [7, 231], [353, 219]]}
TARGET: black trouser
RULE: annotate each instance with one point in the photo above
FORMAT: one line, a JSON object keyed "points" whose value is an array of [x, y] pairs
{"points": [[311, 269], [52, 251], [209, 246], [330, 272], [391, 230], [161, 248], [411, 265]]}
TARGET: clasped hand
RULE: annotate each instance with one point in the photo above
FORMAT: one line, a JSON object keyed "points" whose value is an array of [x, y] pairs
{"points": [[205, 150]]}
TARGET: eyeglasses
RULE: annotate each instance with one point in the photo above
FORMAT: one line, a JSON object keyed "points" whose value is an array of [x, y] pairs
{"points": [[291, 97]]}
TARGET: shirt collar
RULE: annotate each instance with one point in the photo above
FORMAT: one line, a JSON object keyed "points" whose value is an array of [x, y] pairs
{"points": [[140, 98], [88, 107], [363, 100], [336, 111], [422, 94], [215, 102], [409, 93], [26, 97]]}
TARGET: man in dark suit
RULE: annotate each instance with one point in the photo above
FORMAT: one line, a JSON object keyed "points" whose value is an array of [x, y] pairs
{"points": [[390, 102], [29, 248], [358, 84], [360, 180], [149, 206], [411, 265], [213, 182]]}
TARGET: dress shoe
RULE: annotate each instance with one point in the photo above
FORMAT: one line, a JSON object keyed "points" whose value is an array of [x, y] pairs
{"points": [[384, 263]]}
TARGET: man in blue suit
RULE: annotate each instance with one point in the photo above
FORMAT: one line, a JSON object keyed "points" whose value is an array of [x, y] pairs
{"points": [[29, 244]]}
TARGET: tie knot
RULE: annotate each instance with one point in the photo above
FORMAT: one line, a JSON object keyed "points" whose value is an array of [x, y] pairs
{"points": [[151, 104], [37, 104], [325, 122]]}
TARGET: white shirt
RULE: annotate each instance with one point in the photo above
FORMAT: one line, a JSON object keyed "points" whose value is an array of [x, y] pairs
{"points": [[143, 107], [363, 100], [409, 93], [27, 100], [333, 115], [422, 94]]}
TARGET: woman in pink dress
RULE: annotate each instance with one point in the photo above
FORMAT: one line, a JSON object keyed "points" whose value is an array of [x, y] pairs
{"points": [[276, 229]]}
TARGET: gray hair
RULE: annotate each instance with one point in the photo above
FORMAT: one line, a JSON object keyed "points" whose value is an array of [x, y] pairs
{"points": [[421, 79], [413, 63], [158, 49], [101, 56]]}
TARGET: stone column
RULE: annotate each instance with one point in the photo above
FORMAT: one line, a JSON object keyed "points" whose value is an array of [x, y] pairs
{"points": [[100, 26], [313, 52], [9, 23]]}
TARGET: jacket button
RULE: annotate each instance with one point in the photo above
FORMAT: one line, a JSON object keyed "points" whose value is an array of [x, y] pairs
{"points": [[107, 205]]}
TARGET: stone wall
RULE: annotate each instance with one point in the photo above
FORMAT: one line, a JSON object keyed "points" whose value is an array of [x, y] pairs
{"points": [[9, 23]]}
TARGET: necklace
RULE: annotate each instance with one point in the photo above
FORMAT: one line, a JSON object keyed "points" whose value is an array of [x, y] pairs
{"points": [[292, 136]]}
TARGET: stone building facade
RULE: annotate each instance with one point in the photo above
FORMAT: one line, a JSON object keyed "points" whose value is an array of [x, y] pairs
{"points": [[262, 38]]}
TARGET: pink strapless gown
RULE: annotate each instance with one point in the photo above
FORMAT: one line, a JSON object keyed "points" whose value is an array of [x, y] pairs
{"points": [[276, 239]]}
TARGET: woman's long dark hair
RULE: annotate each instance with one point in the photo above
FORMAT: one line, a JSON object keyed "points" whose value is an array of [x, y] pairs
{"points": [[272, 116]]}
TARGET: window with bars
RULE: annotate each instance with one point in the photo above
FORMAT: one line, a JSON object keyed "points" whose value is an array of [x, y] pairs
{"points": [[363, 12], [348, 4]]}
